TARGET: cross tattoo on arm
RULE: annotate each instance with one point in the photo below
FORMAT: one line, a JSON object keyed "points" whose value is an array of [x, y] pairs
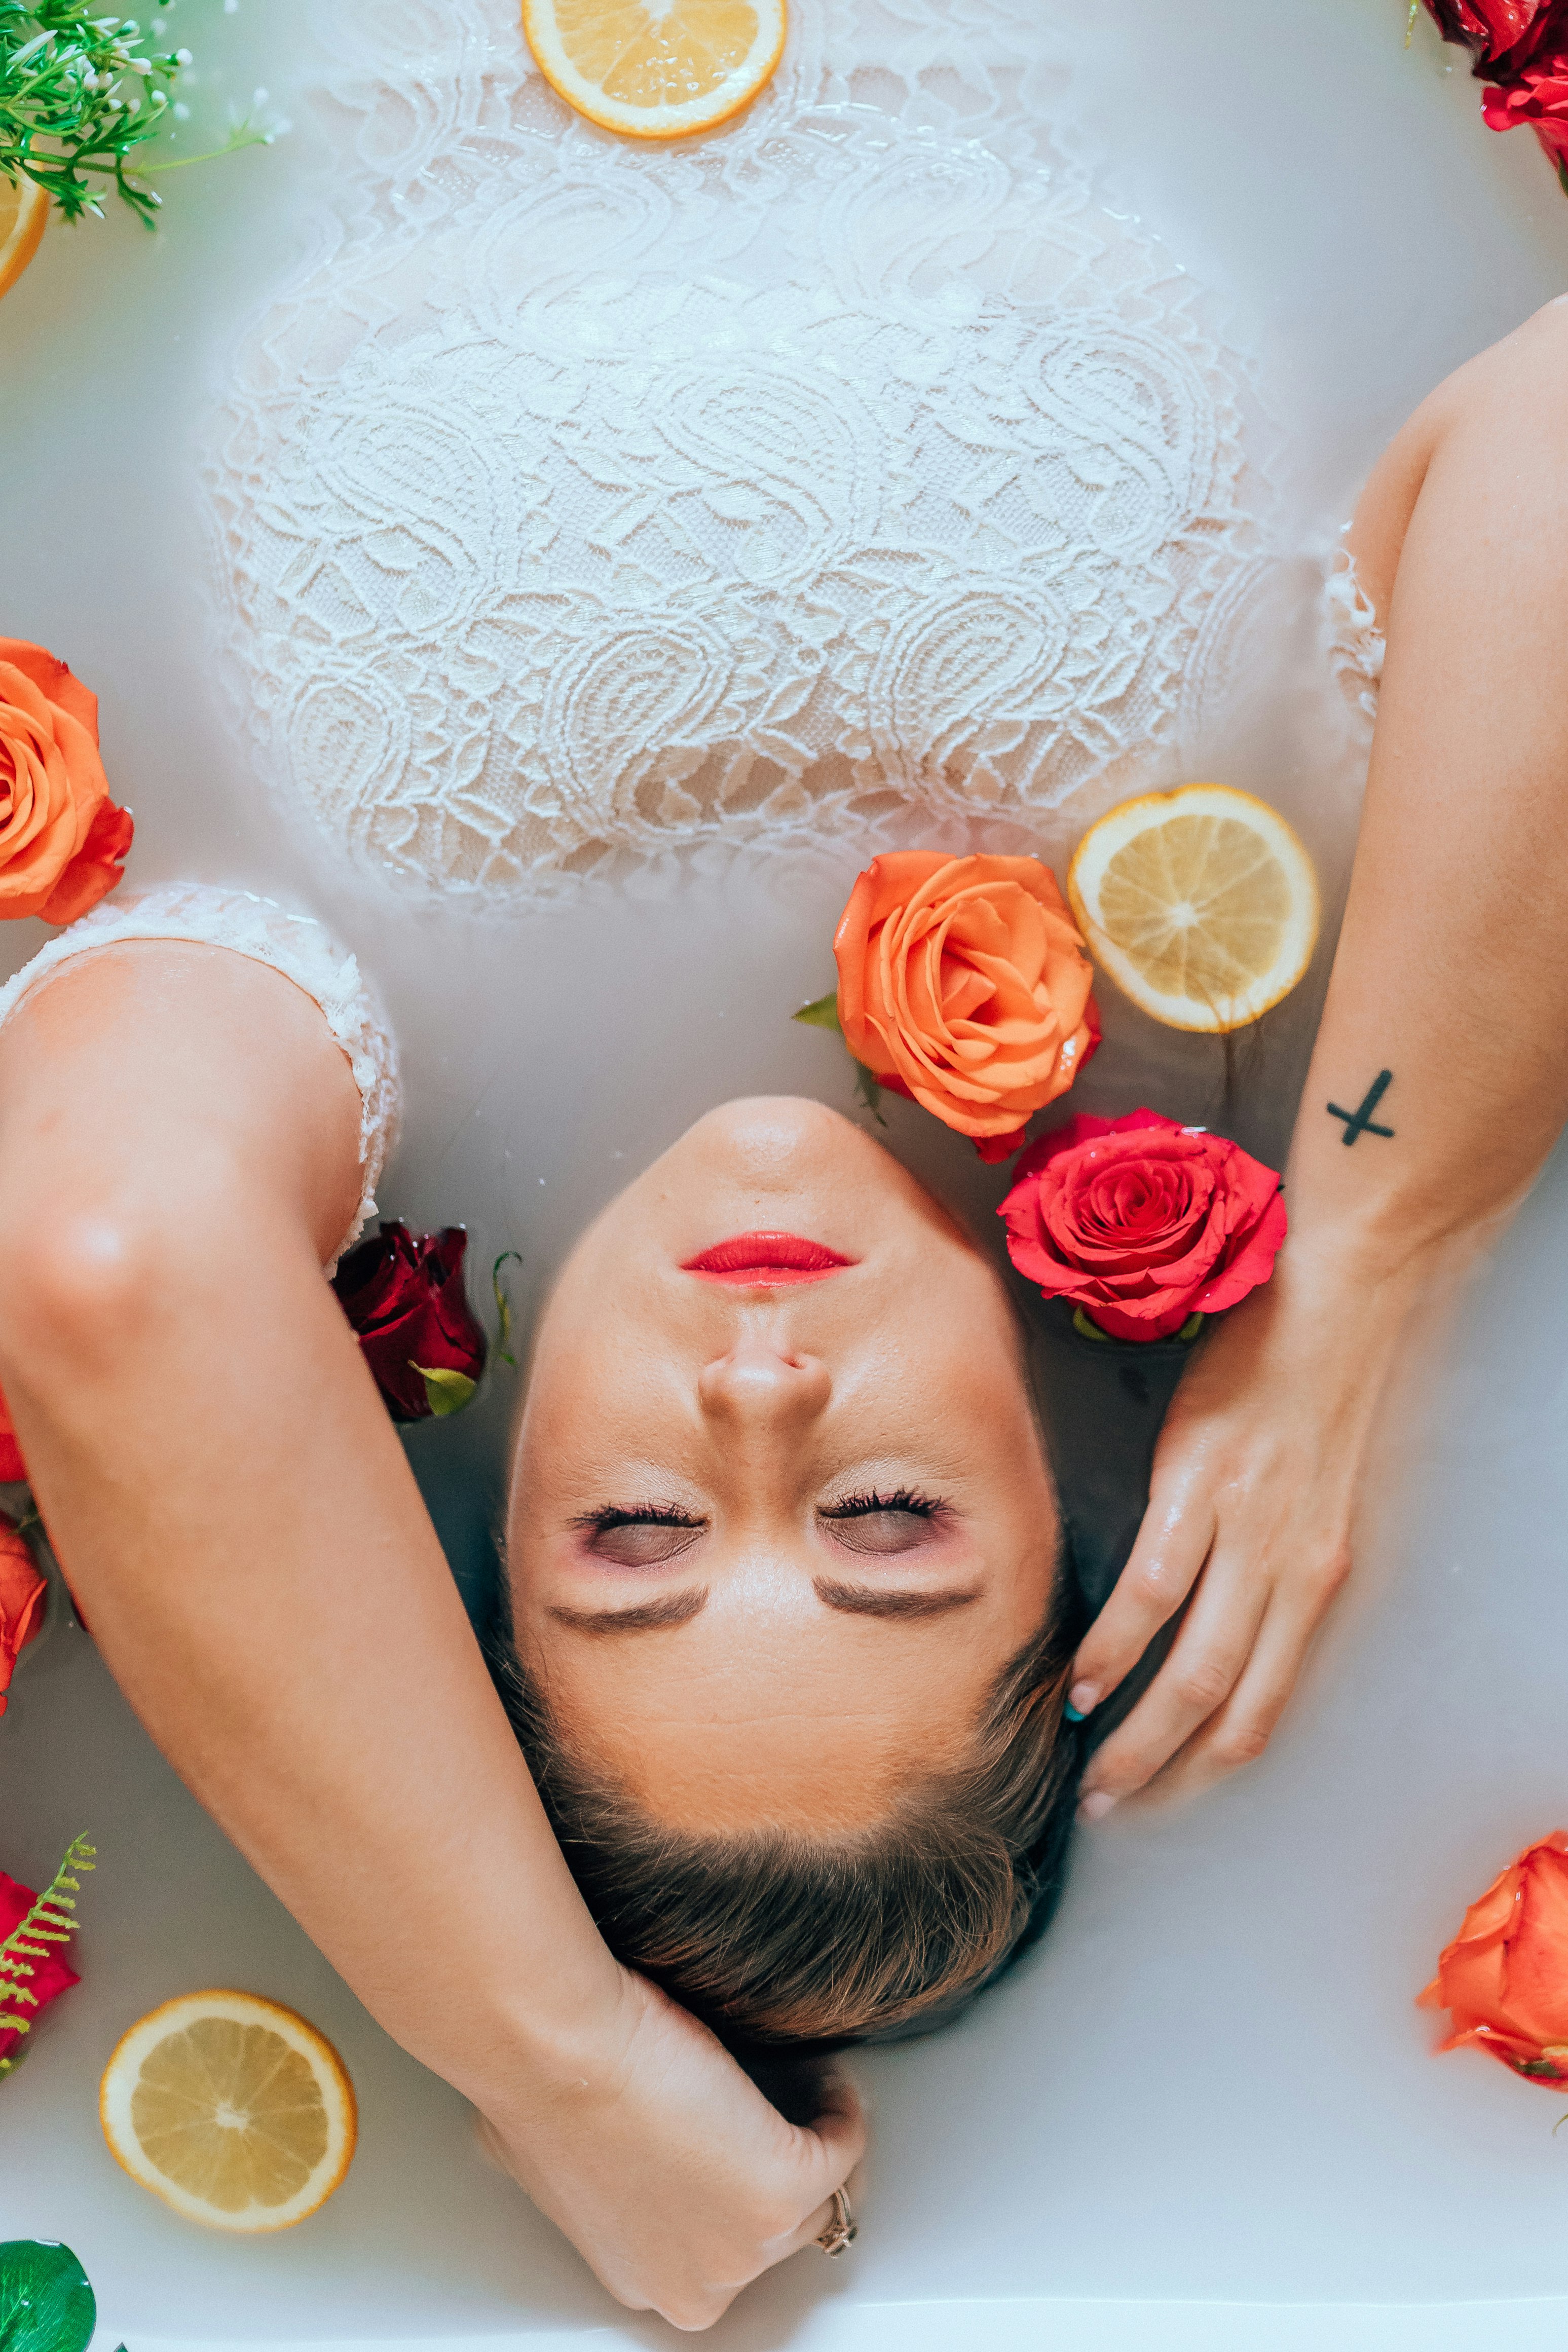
{"points": [[1360, 1121]]}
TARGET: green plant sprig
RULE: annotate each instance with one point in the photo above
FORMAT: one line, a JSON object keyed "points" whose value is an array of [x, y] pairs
{"points": [[49, 1922], [77, 98]]}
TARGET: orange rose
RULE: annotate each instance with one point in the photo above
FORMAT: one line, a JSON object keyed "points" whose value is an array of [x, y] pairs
{"points": [[963, 982], [61, 836], [1504, 1978], [22, 1590]]}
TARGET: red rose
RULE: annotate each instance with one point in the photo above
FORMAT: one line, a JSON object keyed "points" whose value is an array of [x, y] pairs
{"points": [[1504, 1978], [1490, 28], [13, 1469], [27, 1997], [405, 1299], [22, 1592], [1141, 1221], [1539, 97]]}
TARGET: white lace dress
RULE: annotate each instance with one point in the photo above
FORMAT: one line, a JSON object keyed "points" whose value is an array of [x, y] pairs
{"points": [[588, 507], [293, 944]]}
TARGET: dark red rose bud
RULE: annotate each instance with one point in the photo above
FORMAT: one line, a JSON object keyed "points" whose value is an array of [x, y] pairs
{"points": [[1539, 97], [1490, 27], [404, 1297]]}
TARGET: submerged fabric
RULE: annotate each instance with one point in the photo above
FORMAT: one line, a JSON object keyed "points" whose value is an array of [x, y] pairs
{"points": [[590, 508]]}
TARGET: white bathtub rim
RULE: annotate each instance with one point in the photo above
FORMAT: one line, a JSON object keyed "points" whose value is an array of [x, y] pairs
{"points": [[1022, 2324]]}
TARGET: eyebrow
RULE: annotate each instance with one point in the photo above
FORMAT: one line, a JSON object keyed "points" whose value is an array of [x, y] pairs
{"points": [[876, 1600], [852, 1600], [644, 1617]]}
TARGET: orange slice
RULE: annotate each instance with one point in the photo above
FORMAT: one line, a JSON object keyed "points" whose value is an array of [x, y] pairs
{"points": [[23, 209], [656, 68], [1200, 903], [231, 2110]]}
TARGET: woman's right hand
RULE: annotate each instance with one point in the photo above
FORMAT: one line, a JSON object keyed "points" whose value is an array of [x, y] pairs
{"points": [[672, 2174]]}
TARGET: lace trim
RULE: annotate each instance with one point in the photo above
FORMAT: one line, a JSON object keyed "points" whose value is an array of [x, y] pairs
{"points": [[1356, 643], [584, 510], [295, 945]]}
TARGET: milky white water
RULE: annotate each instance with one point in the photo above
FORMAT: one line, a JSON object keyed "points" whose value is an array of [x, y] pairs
{"points": [[1209, 2086]]}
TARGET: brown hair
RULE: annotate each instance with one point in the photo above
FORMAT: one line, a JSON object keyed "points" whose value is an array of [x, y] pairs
{"points": [[776, 1937]]}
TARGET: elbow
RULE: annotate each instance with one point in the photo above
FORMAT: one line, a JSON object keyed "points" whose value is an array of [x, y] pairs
{"points": [[83, 1290]]}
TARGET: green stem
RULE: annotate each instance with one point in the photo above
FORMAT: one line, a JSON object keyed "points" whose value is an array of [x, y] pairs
{"points": [[152, 171]]}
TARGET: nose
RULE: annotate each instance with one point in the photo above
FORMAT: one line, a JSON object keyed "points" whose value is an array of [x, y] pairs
{"points": [[758, 1387]]}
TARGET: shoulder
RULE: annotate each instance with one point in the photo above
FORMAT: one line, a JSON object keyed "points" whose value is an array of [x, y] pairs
{"points": [[1513, 397]]}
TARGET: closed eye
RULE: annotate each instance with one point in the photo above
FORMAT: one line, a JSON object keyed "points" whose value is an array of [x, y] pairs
{"points": [[882, 1525], [648, 1535]]}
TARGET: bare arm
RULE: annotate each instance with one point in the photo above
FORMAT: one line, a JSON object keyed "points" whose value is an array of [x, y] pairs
{"points": [[1452, 974], [178, 1148]]}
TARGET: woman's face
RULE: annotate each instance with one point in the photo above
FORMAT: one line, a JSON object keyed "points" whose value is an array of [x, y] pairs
{"points": [[775, 1527]]}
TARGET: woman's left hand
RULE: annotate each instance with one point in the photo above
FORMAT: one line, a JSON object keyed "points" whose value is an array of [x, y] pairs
{"points": [[1248, 1523]]}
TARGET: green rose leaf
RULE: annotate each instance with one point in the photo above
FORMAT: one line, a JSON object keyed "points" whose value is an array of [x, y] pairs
{"points": [[448, 1392], [45, 2303], [1087, 1328], [869, 1093], [503, 1308], [823, 1014]]}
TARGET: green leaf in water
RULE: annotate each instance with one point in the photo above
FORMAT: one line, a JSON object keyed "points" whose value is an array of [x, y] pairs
{"points": [[503, 1308], [868, 1092], [823, 1014], [448, 1392], [45, 2303]]}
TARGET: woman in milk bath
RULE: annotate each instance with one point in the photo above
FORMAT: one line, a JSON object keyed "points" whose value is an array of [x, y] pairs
{"points": [[517, 525]]}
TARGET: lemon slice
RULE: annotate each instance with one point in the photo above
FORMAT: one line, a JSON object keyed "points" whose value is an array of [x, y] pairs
{"points": [[231, 2110], [1200, 903], [23, 209], [656, 68]]}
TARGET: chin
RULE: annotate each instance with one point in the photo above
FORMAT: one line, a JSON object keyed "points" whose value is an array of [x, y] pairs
{"points": [[774, 1122]]}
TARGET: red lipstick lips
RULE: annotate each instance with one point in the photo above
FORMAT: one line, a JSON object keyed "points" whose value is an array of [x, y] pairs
{"points": [[767, 1261]]}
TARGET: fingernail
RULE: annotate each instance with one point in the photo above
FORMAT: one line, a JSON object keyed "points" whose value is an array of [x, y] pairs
{"points": [[1082, 1699], [1096, 1805]]}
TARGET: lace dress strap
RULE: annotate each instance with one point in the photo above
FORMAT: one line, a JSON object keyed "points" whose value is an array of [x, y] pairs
{"points": [[294, 944], [1355, 642]]}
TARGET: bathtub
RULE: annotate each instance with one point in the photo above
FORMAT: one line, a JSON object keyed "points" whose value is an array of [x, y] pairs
{"points": [[1205, 2113]]}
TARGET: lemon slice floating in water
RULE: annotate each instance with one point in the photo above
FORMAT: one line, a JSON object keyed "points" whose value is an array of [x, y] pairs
{"points": [[656, 68], [231, 2110], [1200, 903], [24, 210]]}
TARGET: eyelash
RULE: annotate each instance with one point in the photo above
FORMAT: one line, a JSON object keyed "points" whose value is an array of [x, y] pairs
{"points": [[853, 1507], [641, 1515], [860, 1506]]}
